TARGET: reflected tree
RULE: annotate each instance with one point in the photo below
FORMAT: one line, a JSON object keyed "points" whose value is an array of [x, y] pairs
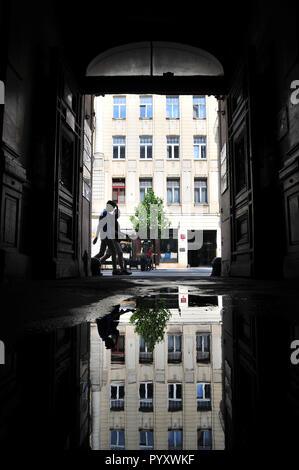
{"points": [[150, 320]]}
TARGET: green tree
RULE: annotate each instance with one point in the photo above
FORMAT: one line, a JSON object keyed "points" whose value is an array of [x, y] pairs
{"points": [[150, 220], [150, 320]]}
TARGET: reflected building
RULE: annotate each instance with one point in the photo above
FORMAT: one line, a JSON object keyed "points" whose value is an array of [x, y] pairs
{"points": [[168, 398]]}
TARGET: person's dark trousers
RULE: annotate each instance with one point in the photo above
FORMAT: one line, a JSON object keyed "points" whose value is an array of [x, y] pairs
{"points": [[104, 244]]}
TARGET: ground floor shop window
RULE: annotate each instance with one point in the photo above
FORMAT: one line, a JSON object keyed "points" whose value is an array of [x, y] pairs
{"points": [[169, 247]]}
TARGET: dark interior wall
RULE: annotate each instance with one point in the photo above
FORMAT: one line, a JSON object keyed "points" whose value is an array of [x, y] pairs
{"points": [[27, 138], [271, 64]]}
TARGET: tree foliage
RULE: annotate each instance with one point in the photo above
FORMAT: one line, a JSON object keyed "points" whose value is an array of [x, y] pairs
{"points": [[150, 219], [150, 320]]}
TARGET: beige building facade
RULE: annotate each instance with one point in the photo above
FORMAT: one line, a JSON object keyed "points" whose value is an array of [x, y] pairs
{"points": [[170, 400], [168, 143]]}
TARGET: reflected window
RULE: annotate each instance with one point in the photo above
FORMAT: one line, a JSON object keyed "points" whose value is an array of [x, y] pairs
{"points": [[173, 148], [203, 396], [175, 348], [119, 148], [118, 352], [199, 107], [119, 107], [146, 392], [117, 397], [145, 355], [200, 147], [146, 439], [146, 107], [175, 439], [172, 107], [203, 341], [204, 439], [175, 402], [117, 439]]}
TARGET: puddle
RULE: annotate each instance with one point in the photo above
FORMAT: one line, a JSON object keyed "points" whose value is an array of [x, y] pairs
{"points": [[171, 369]]}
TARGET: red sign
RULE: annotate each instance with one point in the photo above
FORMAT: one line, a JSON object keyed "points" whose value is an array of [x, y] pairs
{"points": [[183, 237], [183, 299]]}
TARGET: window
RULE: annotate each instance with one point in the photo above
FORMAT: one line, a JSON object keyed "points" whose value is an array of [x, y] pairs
{"points": [[146, 107], [146, 392], [146, 439], [175, 439], [119, 190], [173, 191], [119, 147], [200, 190], [174, 348], [199, 107], [173, 147], [144, 185], [146, 147], [117, 395], [117, 439], [203, 390], [145, 355], [175, 402], [118, 352], [203, 347], [200, 148], [119, 107], [204, 439], [169, 248], [172, 107]]}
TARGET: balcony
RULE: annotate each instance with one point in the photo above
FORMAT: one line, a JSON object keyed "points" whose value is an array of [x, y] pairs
{"points": [[117, 357], [146, 404], [202, 356], [145, 357], [174, 357], [117, 405], [175, 405], [204, 405]]}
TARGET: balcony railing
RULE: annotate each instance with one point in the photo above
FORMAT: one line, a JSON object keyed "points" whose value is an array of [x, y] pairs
{"points": [[117, 357], [175, 405], [202, 356], [117, 405], [146, 404], [175, 356], [204, 405], [145, 357]]}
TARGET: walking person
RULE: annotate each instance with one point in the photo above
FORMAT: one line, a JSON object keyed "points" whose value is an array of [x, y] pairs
{"points": [[118, 236], [106, 230]]}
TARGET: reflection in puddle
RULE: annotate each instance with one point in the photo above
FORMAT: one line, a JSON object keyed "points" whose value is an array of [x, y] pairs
{"points": [[169, 370], [156, 375]]}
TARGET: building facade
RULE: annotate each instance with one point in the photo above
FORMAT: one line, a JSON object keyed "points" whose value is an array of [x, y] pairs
{"points": [[165, 399], [168, 144]]}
